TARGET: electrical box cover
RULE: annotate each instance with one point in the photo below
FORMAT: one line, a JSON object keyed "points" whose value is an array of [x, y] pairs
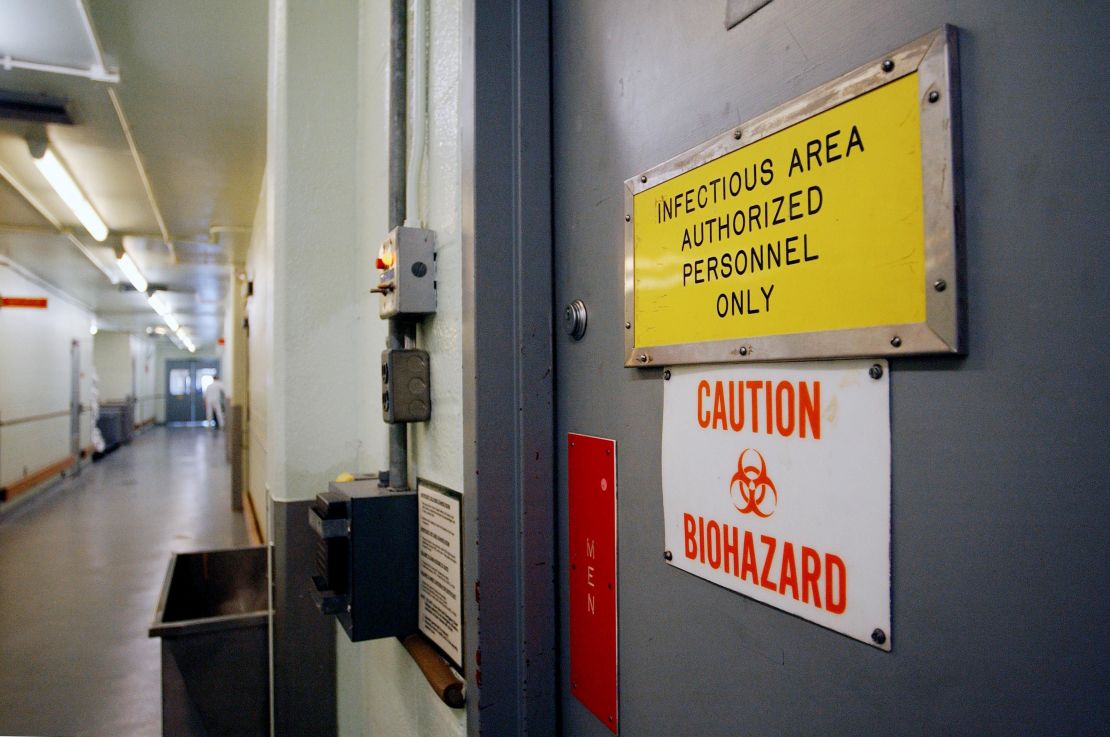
{"points": [[366, 558], [406, 386], [407, 281]]}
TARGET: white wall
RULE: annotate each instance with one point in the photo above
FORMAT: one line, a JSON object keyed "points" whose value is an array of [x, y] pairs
{"points": [[112, 358], [437, 446], [126, 367], [315, 336], [35, 374], [145, 380], [233, 354], [259, 312], [313, 434], [381, 691]]}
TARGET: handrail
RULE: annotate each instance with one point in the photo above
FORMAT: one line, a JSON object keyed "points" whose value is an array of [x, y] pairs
{"points": [[65, 412], [36, 418]]}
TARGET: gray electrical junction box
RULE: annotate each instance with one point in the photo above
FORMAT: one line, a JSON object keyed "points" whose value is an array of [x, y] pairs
{"points": [[408, 273], [406, 386], [366, 558]]}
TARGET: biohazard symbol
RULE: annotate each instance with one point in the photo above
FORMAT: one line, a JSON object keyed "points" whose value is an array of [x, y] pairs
{"points": [[752, 484]]}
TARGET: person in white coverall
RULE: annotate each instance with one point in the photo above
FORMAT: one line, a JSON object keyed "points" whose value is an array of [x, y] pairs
{"points": [[213, 401]]}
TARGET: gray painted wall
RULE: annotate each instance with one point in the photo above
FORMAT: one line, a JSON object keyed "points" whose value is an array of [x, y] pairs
{"points": [[1000, 471]]}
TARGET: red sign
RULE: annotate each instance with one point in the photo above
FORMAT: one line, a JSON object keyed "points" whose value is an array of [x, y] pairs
{"points": [[35, 302], [592, 509]]}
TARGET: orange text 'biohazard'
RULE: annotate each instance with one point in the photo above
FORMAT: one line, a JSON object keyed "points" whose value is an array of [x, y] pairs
{"points": [[797, 571]]}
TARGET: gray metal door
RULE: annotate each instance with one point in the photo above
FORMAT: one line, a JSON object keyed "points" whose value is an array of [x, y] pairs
{"points": [[999, 556], [185, 382]]}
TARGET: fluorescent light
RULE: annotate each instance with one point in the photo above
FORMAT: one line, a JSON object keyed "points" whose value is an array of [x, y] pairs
{"points": [[186, 341], [158, 304], [131, 271], [71, 194], [163, 309]]}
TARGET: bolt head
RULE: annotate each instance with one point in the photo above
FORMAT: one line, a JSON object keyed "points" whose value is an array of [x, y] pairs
{"points": [[934, 96], [743, 350], [627, 218], [896, 342], [940, 285], [878, 636], [875, 372], [642, 358], [888, 65], [643, 178], [737, 134], [628, 326], [667, 555], [666, 374]]}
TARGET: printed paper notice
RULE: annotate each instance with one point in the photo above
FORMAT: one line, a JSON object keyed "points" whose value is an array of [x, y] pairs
{"points": [[440, 614]]}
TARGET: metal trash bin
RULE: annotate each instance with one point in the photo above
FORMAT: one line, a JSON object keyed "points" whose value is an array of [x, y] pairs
{"points": [[212, 618], [111, 424]]}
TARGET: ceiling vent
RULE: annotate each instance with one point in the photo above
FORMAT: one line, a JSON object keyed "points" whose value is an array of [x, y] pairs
{"points": [[35, 108]]}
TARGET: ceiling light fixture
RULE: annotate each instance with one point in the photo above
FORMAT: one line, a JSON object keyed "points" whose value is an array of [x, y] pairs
{"points": [[131, 271], [186, 341], [62, 182], [158, 304], [162, 308]]}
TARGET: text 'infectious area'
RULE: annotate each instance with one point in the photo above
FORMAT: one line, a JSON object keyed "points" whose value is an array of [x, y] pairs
{"points": [[749, 210]]}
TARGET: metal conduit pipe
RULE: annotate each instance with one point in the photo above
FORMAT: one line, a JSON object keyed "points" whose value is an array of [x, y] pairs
{"points": [[397, 475], [418, 107], [402, 333]]}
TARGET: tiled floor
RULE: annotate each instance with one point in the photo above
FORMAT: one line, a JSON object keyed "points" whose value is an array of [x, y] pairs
{"points": [[81, 567]]}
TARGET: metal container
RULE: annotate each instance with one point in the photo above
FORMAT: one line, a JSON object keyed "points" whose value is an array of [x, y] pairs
{"points": [[212, 617]]}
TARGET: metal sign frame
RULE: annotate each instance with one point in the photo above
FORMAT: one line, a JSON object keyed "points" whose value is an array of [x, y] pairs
{"points": [[433, 488], [934, 58]]}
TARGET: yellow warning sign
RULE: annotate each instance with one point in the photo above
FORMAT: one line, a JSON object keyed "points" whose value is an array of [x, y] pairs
{"points": [[816, 227]]}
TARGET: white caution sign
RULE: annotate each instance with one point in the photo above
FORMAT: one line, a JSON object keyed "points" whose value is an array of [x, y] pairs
{"points": [[776, 484]]}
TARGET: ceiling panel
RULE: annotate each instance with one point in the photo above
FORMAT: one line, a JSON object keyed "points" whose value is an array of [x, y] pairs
{"points": [[94, 150], [44, 31], [195, 92], [55, 259], [16, 212], [193, 88]]}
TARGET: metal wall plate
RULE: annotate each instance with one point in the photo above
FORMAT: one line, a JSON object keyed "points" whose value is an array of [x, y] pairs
{"points": [[933, 59]]}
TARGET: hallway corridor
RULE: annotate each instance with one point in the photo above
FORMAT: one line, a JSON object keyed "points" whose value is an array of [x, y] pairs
{"points": [[81, 568]]}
